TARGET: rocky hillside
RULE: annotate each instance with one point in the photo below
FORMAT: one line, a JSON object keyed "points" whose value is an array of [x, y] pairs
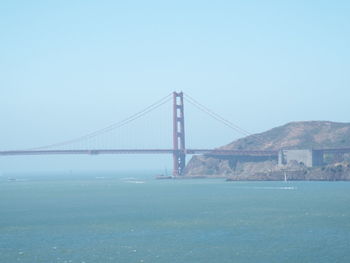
{"points": [[294, 135], [297, 135]]}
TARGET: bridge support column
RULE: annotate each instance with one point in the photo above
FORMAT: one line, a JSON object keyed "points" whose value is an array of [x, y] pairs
{"points": [[179, 154], [317, 158]]}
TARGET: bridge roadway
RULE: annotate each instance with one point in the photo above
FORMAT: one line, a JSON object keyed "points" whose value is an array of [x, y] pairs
{"points": [[211, 152], [332, 150]]}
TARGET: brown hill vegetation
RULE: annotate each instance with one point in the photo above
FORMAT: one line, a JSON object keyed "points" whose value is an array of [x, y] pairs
{"points": [[294, 135]]}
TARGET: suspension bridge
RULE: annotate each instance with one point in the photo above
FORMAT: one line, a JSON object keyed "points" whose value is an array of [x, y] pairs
{"points": [[178, 149]]}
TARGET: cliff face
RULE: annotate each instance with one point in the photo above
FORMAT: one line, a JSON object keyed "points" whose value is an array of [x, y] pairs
{"points": [[294, 135]]}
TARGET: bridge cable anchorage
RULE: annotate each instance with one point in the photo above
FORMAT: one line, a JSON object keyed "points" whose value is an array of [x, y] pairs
{"points": [[221, 119], [111, 127]]}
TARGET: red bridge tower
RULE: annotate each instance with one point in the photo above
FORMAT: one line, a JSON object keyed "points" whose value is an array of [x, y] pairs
{"points": [[179, 154]]}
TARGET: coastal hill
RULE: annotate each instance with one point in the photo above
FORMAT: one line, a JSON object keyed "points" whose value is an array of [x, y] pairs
{"points": [[297, 135], [294, 135]]}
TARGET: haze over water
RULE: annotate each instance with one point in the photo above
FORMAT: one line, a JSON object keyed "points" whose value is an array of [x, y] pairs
{"points": [[134, 218]]}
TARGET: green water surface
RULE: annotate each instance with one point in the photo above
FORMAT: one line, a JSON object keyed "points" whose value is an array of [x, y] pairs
{"points": [[97, 218]]}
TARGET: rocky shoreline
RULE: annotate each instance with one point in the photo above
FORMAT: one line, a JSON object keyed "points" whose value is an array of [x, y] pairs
{"points": [[296, 172], [336, 172], [292, 136]]}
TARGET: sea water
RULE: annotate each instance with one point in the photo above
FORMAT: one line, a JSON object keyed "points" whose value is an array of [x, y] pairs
{"points": [[135, 218]]}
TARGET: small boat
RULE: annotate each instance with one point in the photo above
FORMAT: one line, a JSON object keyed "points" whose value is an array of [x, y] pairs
{"points": [[162, 176]]}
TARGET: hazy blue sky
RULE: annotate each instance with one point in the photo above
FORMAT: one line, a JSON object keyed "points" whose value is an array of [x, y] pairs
{"points": [[70, 67]]}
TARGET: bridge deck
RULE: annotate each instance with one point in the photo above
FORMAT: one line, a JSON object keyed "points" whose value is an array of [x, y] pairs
{"points": [[211, 152], [139, 151]]}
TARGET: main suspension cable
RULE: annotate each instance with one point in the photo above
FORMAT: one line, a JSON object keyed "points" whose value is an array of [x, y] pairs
{"points": [[111, 127], [219, 118]]}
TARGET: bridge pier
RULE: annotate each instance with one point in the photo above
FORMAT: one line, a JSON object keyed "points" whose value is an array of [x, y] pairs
{"points": [[179, 149], [317, 158]]}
